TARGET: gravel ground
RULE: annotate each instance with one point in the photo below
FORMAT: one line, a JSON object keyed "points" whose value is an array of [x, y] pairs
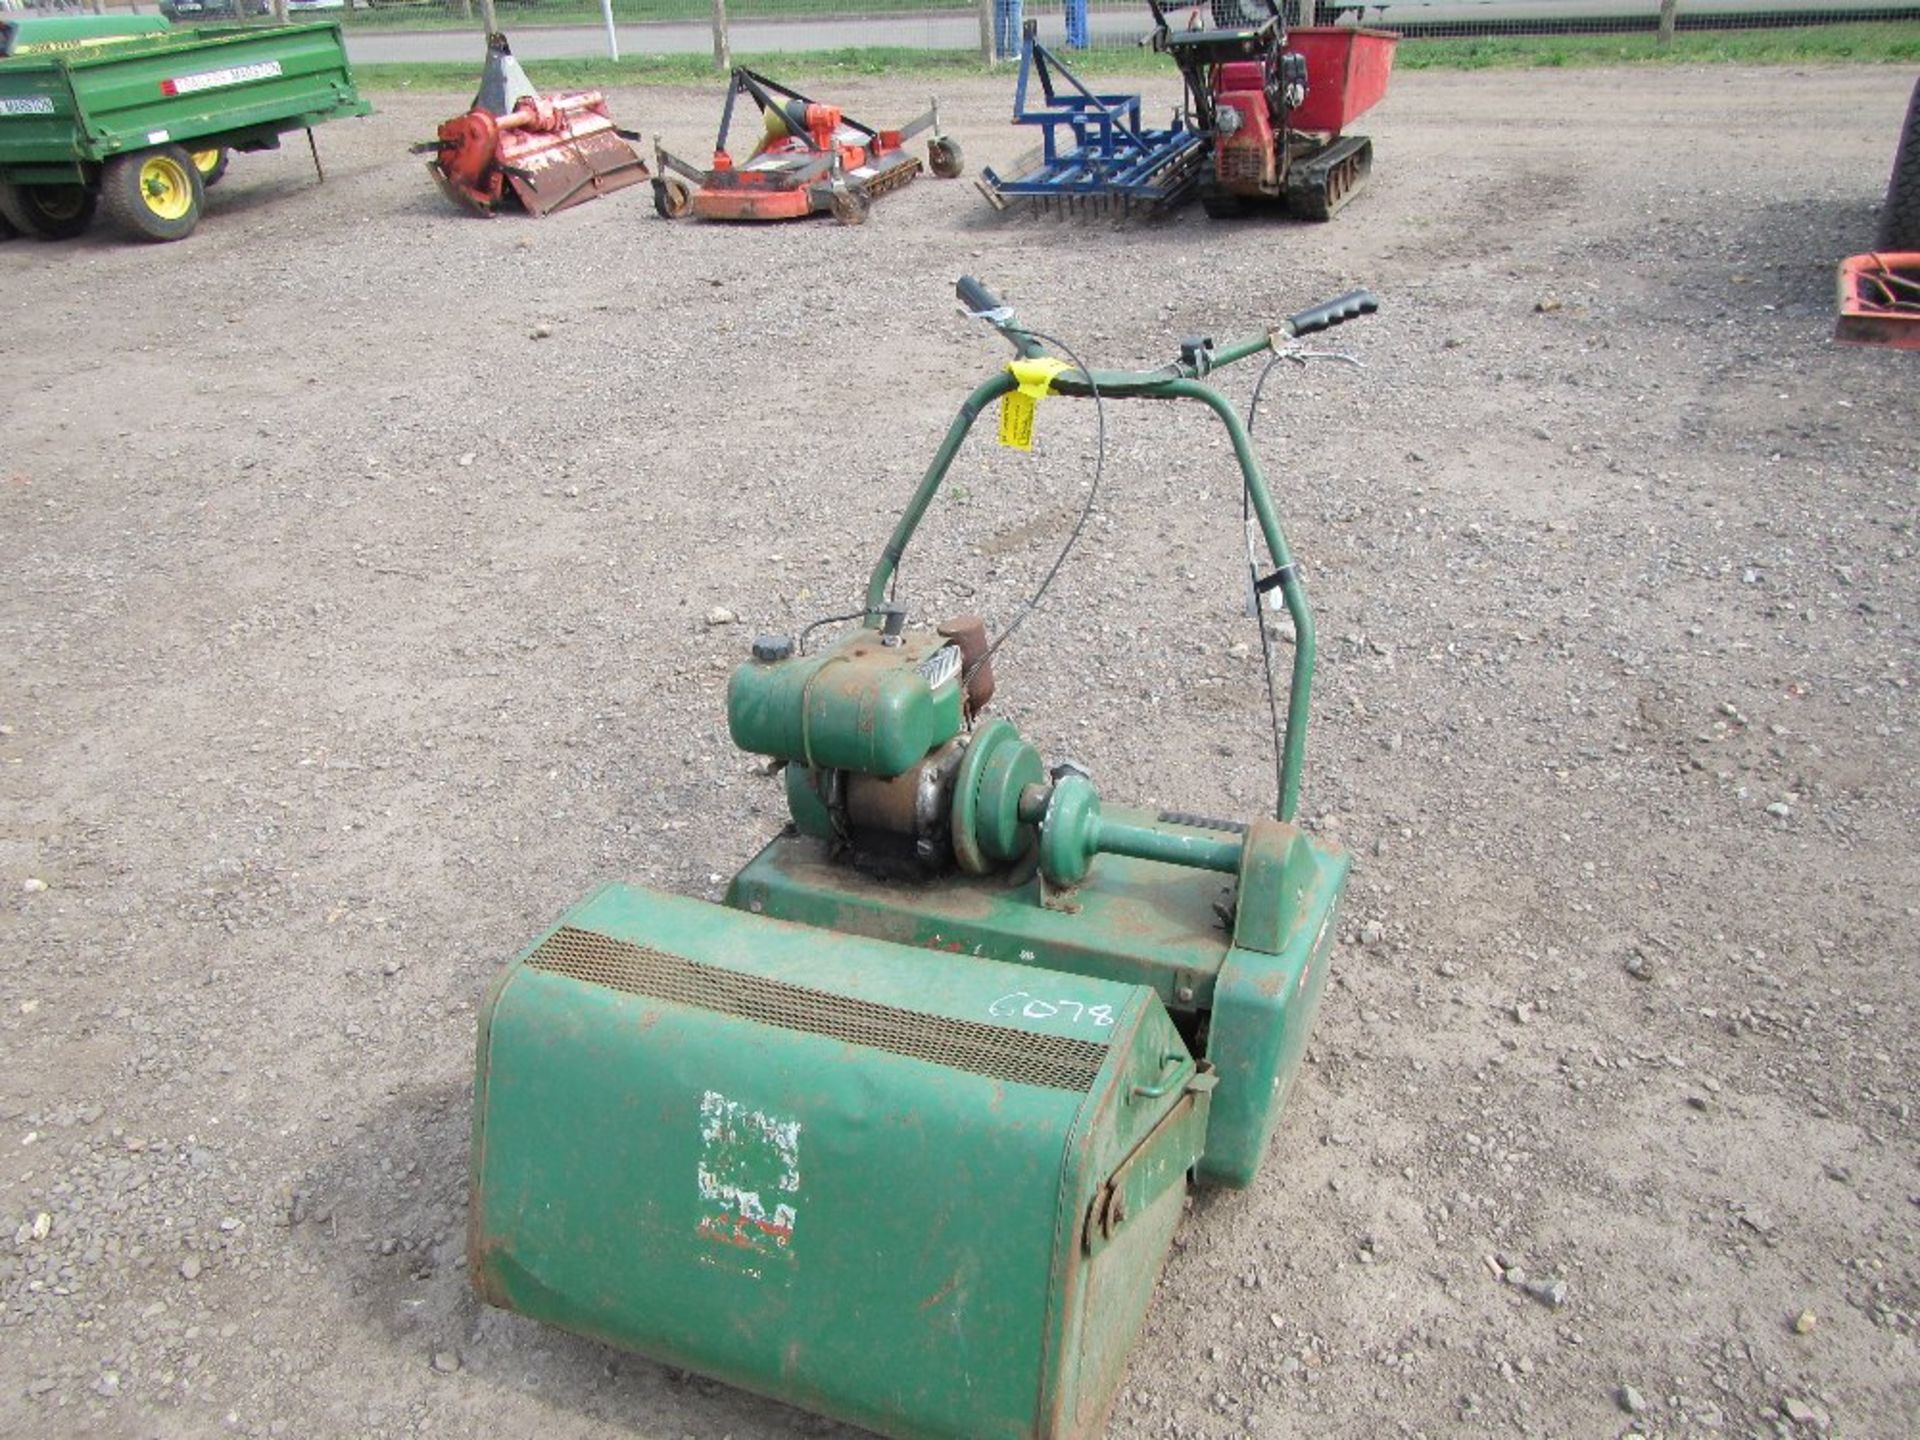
{"points": [[359, 556]]}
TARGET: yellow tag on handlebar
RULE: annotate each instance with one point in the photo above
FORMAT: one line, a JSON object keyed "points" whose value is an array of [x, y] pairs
{"points": [[1017, 406]]}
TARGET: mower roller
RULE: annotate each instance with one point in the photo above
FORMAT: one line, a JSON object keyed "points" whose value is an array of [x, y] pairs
{"points": [[811, 159], [544, 152], [901, 1131]]}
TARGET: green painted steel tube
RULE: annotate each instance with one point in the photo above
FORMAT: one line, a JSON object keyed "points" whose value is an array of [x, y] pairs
{"points": [[984, 394], [1149, 385], [1293, 749], [1173, 847]]}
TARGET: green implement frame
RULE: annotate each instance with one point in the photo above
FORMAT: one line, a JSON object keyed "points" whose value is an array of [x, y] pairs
{"points": [[143, 123]]}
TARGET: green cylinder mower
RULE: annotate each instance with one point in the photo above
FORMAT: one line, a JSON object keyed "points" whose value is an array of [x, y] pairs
{"points": [[900, 1133]]}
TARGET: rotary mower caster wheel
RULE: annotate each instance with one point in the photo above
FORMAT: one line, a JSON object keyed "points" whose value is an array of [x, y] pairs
{"points": [[850, 207], [672, 197], [945, 158]]}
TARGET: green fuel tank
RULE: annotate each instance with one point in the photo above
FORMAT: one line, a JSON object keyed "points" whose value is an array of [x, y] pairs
{"points": [[926, 1198]]}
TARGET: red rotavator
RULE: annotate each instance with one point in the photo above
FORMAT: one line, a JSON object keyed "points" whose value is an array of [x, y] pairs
{"points": [[544, 151]]}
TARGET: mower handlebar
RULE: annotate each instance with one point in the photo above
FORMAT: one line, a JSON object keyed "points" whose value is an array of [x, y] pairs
{"points": [[978, 299], [1329, 313], [983, 304]]}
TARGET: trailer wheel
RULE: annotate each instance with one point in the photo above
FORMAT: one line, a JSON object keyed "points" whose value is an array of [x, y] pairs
{"points": [[212, 164], [48, 212], [153, 194], [1900, 217], [672, 197], [944, 157], [850, 207]]}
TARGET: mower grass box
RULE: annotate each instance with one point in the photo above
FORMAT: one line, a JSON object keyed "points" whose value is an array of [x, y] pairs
{"points": [[847, 1173]]}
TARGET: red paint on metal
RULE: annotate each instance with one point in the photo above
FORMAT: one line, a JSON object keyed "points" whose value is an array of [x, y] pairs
{"points": [[551, 150], [1880, 300], [1347, 70]]}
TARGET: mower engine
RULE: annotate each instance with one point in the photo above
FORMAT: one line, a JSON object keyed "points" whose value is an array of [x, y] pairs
{"points": [[544, 151]]}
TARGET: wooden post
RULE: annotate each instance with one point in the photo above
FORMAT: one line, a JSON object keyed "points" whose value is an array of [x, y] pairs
{"points": [[1667, 9], [466, 10], [279, 12], [986, 33], [722, 42], [487, 18]]}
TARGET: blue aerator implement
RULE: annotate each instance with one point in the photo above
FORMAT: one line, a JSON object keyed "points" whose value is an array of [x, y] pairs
{"points": [[1105, 160]]}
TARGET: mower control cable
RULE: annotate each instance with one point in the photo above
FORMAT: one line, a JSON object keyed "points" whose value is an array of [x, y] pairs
{"points": [[1030, 344], [1258, 585]]}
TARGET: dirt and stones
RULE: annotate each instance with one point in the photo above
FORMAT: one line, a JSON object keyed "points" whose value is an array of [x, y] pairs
{"points": [[359, 563]]}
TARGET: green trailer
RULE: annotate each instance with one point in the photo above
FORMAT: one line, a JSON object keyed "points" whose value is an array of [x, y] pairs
{"points": [[140, 125]]}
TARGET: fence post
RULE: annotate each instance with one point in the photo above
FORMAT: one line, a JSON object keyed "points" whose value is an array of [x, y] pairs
{"points": [[986, 33], [1667, 8], [722, 45], [613, 40]]}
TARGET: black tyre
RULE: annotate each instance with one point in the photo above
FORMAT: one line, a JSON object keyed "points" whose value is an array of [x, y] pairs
{"points": [[672, 197], [212, 164], [945, 158], [153, 194], [48, 212], [1900, 217]]}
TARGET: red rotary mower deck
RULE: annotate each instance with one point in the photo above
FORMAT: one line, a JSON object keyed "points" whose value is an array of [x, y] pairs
{"points": [[811, 159]]}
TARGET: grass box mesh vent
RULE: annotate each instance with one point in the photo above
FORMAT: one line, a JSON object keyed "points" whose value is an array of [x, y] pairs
{"points": [[995, 1051]]}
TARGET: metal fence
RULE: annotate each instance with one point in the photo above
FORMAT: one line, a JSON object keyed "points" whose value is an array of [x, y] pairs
{"points": [[990, 27]]}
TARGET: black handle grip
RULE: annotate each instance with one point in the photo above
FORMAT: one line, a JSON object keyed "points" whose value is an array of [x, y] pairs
{"points": [[977, 297], [1329, 313]]}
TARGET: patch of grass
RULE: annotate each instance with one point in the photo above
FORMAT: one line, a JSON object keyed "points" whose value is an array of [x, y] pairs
{"points": [[1865, 43], [1870, 42], [522, 15], [792, 66]]}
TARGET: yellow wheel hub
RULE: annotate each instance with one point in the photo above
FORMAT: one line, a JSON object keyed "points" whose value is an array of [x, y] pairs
{"points": [[166, 187], [205, 160]]}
